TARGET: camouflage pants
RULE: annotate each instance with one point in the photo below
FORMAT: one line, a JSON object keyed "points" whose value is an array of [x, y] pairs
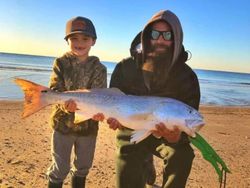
{"points": [[61, 147], [131, 165]]}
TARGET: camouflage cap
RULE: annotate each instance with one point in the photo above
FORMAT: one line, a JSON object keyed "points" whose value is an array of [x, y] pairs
{"points": [[80, 25]]}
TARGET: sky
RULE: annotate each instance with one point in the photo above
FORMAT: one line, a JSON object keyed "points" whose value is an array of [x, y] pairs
{"points": [[216, 32]]}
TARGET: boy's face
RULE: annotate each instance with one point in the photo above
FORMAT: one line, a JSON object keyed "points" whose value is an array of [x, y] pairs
{"points": [[80, 44]]}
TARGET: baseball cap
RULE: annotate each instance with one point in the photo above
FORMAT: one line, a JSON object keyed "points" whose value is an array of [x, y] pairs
{"points": [[80, 25]]}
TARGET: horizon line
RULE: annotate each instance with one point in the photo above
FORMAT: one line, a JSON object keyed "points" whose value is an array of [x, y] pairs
{"points": [[218, 70]]}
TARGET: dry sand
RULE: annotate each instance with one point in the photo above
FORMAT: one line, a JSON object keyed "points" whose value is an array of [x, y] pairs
{"points": [[25, 149]]}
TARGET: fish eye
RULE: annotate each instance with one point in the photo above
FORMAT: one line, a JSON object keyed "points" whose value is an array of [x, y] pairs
{"points": [[44, 91]]}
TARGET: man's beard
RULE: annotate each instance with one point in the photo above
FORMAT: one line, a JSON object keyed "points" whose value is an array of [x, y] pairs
{"points": [[164, 52], [158, 63]]}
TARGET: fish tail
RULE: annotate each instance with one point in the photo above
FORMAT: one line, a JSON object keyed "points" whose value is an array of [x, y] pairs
{"points": [[33, 100], [139, 135]]}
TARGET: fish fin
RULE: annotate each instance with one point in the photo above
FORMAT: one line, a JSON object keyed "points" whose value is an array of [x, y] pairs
{"points": [[139, 135], [78, 90], [80, 117], [107, 91], [33, 100]]}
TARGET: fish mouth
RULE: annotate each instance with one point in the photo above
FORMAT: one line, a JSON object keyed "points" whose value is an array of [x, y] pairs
{"points": [[195, 124]]}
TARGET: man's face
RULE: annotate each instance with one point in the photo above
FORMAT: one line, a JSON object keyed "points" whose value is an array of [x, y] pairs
{"points": [[160, 45]]}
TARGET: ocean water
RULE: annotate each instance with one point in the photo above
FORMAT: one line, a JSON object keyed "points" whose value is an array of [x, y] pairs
{"points": [[217, 87]]}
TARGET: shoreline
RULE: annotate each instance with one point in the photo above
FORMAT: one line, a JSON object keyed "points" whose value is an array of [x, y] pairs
{"points": [[25, 149]]}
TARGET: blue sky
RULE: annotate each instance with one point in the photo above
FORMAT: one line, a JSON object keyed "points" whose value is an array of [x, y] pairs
{"points": [[216, 32]]}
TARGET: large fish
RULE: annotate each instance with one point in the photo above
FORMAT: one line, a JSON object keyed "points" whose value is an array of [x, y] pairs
{"points": [[140, 113]]}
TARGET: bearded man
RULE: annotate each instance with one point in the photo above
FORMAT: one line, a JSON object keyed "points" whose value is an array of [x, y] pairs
{"points": [[158, 69]]}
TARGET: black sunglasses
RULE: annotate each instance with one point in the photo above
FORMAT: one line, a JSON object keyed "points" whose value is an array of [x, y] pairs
{"points": [[167, 35]]}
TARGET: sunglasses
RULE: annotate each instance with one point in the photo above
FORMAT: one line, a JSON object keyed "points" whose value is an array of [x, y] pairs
{"points": [[167, 35]]}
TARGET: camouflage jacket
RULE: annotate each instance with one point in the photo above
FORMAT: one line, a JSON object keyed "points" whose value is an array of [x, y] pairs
{"points": [[69, 74]]}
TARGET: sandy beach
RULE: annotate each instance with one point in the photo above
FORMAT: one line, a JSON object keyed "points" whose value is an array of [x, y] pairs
{"points": [[25, 149]]}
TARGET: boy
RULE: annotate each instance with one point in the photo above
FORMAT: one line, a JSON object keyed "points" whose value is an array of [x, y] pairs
{"points": [[74, 70]]}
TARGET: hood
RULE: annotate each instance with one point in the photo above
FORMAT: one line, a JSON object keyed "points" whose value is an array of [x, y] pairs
{"points": [[175, 24]]}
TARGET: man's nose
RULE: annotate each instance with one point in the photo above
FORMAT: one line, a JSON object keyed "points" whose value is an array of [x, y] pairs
{"points": [[160, 39]]}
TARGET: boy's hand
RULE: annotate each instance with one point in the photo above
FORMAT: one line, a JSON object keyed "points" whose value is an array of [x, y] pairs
{"points": [[172, 136], [70, 105], [114, 123], [98, 117]]}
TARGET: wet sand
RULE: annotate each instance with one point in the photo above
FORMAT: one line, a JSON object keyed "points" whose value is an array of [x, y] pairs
{"points": [[25, 149]]}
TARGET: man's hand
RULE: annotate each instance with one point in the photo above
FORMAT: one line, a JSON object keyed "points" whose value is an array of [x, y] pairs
{"points": [[98, 117], [172, 136], [114, 123], [70, 105]]}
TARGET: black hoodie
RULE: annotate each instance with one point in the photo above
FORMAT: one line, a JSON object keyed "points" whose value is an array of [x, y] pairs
{"points": [[181, 84]]}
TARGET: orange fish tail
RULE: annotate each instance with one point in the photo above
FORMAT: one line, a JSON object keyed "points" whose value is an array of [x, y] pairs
{"points": [[33, 96]]}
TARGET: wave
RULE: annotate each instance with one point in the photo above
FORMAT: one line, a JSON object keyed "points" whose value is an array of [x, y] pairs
{"points": [[36, 69], [26, 68], [223, 82], [244, 83]]}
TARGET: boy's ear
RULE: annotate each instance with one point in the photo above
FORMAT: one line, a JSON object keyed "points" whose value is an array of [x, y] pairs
{"points": [[93, 43]]}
